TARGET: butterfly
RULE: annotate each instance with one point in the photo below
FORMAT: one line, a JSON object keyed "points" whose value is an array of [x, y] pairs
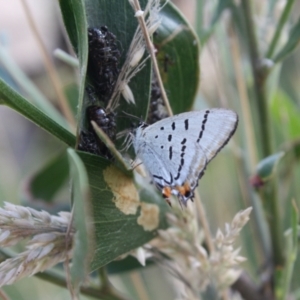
{"points": [[177, 149]]}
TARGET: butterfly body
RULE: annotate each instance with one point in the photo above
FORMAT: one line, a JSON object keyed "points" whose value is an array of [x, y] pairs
{"points": [[176, 150]]}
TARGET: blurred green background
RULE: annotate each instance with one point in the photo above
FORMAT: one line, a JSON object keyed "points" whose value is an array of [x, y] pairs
{"points": [[225, 81]]}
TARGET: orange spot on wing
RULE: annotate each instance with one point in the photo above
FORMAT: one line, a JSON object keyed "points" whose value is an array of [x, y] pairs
{"points": [[184, 189], [167, 192]]}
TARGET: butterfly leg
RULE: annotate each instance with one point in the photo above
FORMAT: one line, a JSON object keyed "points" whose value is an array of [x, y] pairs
{"points": [[134, 164]]}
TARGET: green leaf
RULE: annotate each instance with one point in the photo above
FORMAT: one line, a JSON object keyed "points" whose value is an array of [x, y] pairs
{"points": [[74, 15], [118, 16], [178, 58], [117, 208], [291, 43], [267, 167], [15, 101], [84, 237], [46, 182], [284, 277]]}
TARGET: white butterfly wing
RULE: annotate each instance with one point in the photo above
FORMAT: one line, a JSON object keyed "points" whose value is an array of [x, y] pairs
{"points": [[176, 150]]}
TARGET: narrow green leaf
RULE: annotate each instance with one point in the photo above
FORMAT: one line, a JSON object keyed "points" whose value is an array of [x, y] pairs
{"points": [[178, 54], [267, 167], [83, 248], [279, 27], [117, 210], [33, 94], [70, 12], [74, 15], [47, 181], [291, 43], [15, 101]]}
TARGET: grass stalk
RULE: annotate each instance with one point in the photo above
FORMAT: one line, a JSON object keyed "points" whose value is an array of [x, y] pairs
{"points": [[259, 76]]}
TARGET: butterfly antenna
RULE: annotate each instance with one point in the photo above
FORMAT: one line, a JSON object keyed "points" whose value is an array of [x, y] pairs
{"points": [[132, 116]]}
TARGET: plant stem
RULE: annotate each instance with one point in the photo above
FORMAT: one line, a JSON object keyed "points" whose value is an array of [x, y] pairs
{"points": [[151, 50], [259, 76], [60, 280], [242, 168]]}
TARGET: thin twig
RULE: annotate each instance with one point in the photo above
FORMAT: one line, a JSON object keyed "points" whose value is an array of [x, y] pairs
{"points": [[151, 50], [62, 100]]}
